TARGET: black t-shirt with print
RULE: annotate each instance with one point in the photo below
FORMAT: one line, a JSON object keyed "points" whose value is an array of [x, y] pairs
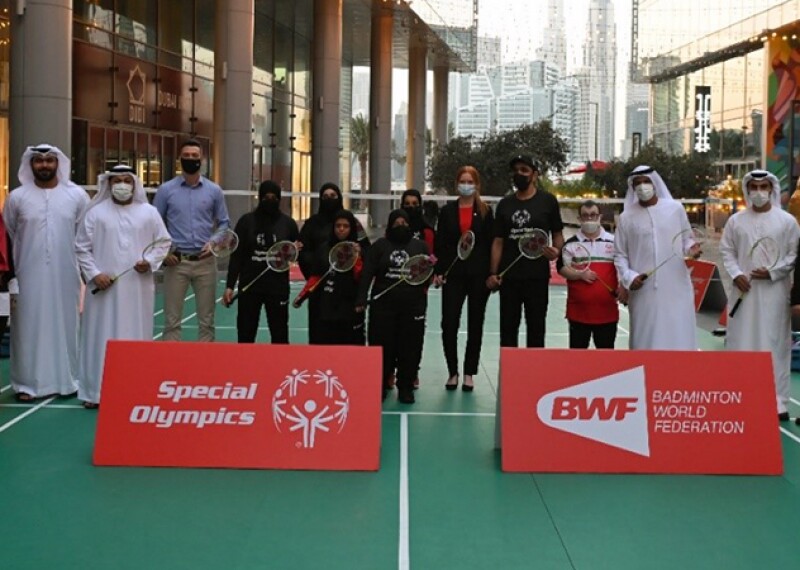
{"points": [[515, 218]]}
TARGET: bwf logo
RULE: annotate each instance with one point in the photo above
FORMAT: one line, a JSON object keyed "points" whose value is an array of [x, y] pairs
{"points": [[610, 410]]}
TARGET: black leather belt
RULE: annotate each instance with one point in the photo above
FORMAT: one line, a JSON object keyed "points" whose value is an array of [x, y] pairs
{"points": [[188, 256]]}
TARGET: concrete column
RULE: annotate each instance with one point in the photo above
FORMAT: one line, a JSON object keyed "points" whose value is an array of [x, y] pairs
{"points": [[380, 110], [441, 85], [41, 78], [233, 94], [326, 77], [415, 143]]}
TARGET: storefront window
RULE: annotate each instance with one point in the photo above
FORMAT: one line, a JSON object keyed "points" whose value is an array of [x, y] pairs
{"points": [[136, 25]]}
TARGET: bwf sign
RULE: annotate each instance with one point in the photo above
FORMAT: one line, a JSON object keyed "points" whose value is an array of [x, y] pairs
{"points": [[639, 412], [702, 119]]}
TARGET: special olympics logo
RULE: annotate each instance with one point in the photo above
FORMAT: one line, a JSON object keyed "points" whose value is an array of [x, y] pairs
{"points": [[520, 218], [398, 257], [308, 403]]}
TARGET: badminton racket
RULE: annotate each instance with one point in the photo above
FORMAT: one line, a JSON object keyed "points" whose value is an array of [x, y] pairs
{"points": [[578, 258], [154, 253], [694, 233], [530, 247], [415, 271], [466, 243], [223, 243], [763, 254], [342, 258], [279, 258]]}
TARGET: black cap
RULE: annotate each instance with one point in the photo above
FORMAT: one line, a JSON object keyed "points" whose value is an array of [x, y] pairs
{"points": [[524, 159]]}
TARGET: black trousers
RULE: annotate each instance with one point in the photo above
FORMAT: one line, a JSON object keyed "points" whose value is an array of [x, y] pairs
{"points": [[398, 328], [313, 320], [471, 288], [341, 332], [532, 296], [580, 334], [247, 319]]}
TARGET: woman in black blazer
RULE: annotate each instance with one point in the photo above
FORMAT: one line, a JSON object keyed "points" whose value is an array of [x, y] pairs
{"points": [[467, 279]]}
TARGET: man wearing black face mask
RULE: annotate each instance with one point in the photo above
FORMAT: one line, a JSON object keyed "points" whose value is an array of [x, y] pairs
{"points": [[397, 319], [526, 284], [192, 207], [314, 236], [257, 231]]}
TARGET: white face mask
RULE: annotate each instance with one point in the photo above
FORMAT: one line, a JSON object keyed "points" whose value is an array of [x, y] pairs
{"points": [[645, 191], [759, 198], [589, 228], [466, 189], [122, 191]]}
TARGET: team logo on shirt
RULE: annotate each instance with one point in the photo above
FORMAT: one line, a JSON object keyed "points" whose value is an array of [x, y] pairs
{"points": [[398, 257], [307, 404], [520, 218], [417, 235]]}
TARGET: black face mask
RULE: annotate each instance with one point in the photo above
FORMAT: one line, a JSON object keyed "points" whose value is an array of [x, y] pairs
{"points": [[329, 206], [190, 165], [521, 182], [414, 212], [269, 207], [399, 234]]}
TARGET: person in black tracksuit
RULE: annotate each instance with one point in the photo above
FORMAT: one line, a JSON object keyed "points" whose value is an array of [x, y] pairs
{"points": [[526, 284], [467, 279], [396, 320], [258, 231], [338, 321], [314, 236]]}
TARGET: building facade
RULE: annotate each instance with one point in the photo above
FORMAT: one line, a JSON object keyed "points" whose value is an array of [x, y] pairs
{"points": [[744, 56], [265, 85]]}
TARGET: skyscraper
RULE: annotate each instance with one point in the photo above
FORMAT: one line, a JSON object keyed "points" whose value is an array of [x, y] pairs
{"points": [[600, 59], [554, 46]]}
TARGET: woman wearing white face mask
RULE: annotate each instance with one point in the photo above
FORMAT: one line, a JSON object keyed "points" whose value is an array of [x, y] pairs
{"points": [[467, 279]]}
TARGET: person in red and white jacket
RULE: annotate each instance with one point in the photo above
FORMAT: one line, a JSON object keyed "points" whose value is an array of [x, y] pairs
{"points": [[592, 295]]}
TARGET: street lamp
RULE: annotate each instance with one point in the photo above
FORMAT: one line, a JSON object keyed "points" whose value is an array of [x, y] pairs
{"points": [[596, 125]]}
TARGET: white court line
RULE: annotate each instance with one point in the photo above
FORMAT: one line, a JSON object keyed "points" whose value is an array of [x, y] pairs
{"points": [[4, 388], [159, 335], [50, 407], [790, 434], [793, 401], [443, 414], [403, 551], [24, 415], [160, 311]]}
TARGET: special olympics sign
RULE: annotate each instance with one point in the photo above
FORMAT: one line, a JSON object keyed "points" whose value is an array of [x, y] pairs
{"points": [[247, 406], [638, 412]]}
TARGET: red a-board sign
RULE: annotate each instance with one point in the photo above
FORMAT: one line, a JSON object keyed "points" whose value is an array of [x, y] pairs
{"points": [[605, 411], [701, 273], [174, 404]]}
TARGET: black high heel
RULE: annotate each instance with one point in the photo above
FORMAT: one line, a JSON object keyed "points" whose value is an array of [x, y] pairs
{"points": [[467, 387], [450, 387]]}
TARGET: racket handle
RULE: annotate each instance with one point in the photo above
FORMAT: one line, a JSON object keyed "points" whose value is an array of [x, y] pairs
{"points": [[96, 290], [233, 299], [510, 265], [736, 306]]}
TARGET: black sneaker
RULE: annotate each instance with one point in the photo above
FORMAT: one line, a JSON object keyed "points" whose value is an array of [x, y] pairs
{"points": [[406, 397], [783, 417]]}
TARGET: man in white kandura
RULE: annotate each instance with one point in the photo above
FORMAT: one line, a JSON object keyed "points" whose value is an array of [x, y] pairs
{"points": [[662, 304], [117, 226], [41, 216], [763, 320]]}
